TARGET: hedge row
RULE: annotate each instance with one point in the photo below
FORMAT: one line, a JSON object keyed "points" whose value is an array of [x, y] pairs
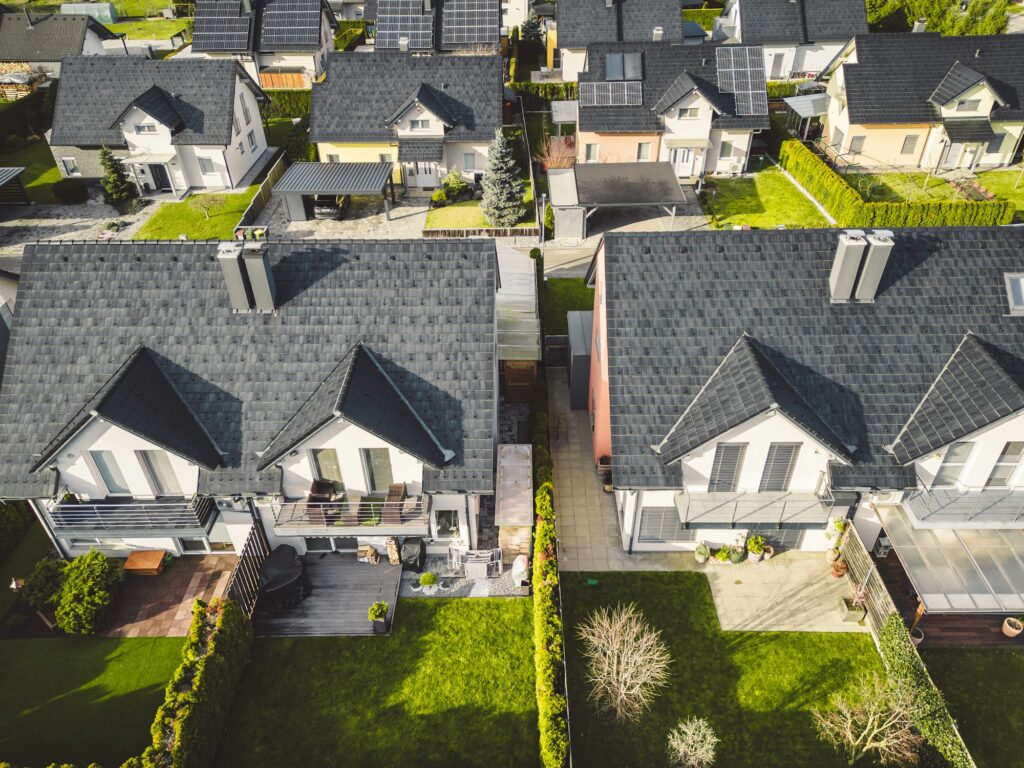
{"points": [[188, 725], [850, 210], [29, 116], [540, 95], [350, 33], [285, 103], [782, 89], [703, 16], [933, 721], [15, 520]]}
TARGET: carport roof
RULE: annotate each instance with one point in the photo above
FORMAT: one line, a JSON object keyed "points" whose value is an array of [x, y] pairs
{"points": [[9, 174], [335, 178], [627, 184]]}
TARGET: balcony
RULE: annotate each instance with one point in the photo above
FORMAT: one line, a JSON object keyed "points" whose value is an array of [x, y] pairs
{"points": [[967, 508], [133, 517], [746, 508], [377, 517]]}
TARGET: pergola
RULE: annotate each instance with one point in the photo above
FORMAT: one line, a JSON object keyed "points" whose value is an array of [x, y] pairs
{"points": [[303, 180]]}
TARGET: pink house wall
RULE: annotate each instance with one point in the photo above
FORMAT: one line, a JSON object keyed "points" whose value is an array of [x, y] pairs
{"points": [[599, 405]]}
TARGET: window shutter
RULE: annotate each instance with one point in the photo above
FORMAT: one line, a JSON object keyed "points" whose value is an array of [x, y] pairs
{"points": [[778, 469], [725, 471]]}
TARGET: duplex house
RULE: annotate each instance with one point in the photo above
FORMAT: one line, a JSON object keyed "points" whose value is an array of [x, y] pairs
{"points": [[580, 23], [436, 25], [765, 382], [920, 100], [334, 393], [177, 124], [437, 113], [800, 37], [696, 107], [281, 43], [33, 42]]}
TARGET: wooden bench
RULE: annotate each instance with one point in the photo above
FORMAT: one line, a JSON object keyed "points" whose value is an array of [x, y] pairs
{"points": [[145, 562]]}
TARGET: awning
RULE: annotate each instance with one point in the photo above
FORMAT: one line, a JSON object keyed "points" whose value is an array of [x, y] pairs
{"points": [[688, 143], [151, 157], [420, 150], [969, 131], [513, 495], [958, 570], [335, 179], [564, 112], [808, 105]]}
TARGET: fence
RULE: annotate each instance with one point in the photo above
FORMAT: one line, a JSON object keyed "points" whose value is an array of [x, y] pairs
{"points": [[862, 572], [484, 232], [244, 587], [262, 196]]}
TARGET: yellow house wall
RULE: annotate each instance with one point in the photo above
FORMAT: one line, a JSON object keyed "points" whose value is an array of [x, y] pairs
{"points": [[616, 147], [360, 153], [552, 43]]}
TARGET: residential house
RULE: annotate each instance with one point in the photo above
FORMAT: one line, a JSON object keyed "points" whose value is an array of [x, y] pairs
{"points": [[436, 25], [765, 382], [799, 37], [436, 113], [32, 42], [696, 107], [920, 100], [177, 124], [334, 393], [581, 23], [281, 43]]}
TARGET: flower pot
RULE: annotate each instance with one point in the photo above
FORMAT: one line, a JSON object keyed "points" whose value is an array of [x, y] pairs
{"points": [[755, 557], [850, 612], [832, 554], [916, 636], [608, 487], [769, 552], [380, 626], [430, 589], [701, 558], [838, 569], [1012, 627]]}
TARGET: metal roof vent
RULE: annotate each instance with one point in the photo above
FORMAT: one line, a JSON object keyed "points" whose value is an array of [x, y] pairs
{"points": [[239, 292], [920, 26], [403, 44], [609, 3], [846, 265], [261, 278], [659, 34], [977, 53]]}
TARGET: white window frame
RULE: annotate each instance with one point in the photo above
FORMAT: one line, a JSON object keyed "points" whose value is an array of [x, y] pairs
{"points": [[332, 158], [234, 121], [207, 549], [587, 158], [145, 128], [860, 141], [742, 447], [245, 109], [252, 140], [364, 455], [726, 150], [74, 162], [1015, 292], [968, 105], [640, 154], [384, 157], [155, 484], [469, 161], [208, 162], [794, 457], [962, 464], [688, 113], [419, 124], [101, 481], [1001, 461], [999, 147], [437, 529], [912, 140]]}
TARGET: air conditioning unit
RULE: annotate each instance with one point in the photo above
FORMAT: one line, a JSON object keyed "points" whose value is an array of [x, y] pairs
{"points": [[882, 547]]}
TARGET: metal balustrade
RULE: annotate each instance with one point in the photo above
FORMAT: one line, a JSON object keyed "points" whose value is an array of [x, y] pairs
{"points": [[308, 515], [149, 517]]}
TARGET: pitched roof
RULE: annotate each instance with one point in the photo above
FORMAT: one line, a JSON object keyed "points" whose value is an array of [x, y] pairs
{"points": [[270, 25], [425, 308], [582, 22], [222, 25], [447, 25], [292, 25], [351, 105], [975, 388], [957, 80], [424, 95], [50, 38], [97, 90], [664, 67], [896, 75], [156, 103], [360, 391], [141, 399], [745, 384], [801, 21], [677, 302]]}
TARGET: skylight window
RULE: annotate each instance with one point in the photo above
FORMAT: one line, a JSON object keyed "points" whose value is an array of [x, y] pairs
{"points": [[1015, 292], [623, 66]]}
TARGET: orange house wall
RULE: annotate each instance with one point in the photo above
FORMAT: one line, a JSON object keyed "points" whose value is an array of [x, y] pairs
{"points": [[616, 147], [599, 405]]}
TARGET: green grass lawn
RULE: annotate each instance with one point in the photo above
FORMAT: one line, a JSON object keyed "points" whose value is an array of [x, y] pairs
{"points": [[982, 688], [468, 215], [755, 688], [900, 187], [20, 562], [763, 201], [538, 128], [80, 700], [452, 686], [1000, 183], [188, 218], [40, 170], [149, 29], [560, 295]]}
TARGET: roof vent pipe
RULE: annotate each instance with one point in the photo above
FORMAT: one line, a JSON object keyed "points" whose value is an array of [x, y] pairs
{"points": [[235, 278], [247, 6], [846, 265], [261, 278], [403, 44], [920, 26], [880, 243], [659, 33], [609, 3], [977, 53]]}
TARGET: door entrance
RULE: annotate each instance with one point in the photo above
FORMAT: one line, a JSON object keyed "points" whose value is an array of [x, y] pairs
{"points": [[682, 160], [421, 175], [161, 179]]}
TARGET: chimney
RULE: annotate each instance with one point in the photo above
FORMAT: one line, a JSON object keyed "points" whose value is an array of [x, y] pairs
{"points": [[880, 244], [920, 25], [846, 265], [28, 18], [427, 7], [247, 6], [609, 3], [659, 33], [229, 256], [403, 44], [261, 278]]}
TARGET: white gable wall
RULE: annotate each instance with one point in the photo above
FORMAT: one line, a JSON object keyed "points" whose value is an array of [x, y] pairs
{"points": [[237, 155], [404, 129], [988, 444]]}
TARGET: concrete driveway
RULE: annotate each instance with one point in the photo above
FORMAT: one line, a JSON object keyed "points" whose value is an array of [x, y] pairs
{"points": [[365, 219]]}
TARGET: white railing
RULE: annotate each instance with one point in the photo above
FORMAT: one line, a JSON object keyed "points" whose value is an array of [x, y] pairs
{"points": [[344, 514]]}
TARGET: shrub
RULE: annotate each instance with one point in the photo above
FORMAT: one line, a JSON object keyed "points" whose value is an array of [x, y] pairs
{"points": [[15, 520], [350, 33], [549, 222], [71, 191], [755, 545], [296, 144], [723, 554], [691, 744], [116, 186], [781, 89], [43, 586], [704, 16], [136, 204], [453, 184], [378, 610], [439, 199], [87, 595], [428, 579], [538, 96], [285, 103]]}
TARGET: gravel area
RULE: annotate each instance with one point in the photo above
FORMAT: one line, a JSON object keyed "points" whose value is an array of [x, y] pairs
{"points": [[513, 422], [458, 586]]}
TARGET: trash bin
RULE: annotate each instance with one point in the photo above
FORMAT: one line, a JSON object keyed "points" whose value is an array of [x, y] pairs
{"points": [[414, 554]]}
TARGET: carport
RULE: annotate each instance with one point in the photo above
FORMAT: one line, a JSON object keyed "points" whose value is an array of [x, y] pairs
{"points": [[577, 193], [11, 189], [306, 180]]}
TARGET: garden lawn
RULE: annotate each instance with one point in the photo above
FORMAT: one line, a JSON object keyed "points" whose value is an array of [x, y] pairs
{"points": [[40, 170], [452, 686], [762, 201], [757, 689], [560, 295], [901, 187], [79, 700], [974, 681], [19, 564], [1000, 183], [149, 29], [468, 214], [188, 218]]}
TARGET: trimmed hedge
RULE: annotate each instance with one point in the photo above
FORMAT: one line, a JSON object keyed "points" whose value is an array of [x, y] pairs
{"points": [[28, 116], [286, 103], [538, 96], [704, 16], [781, 89], [89, 588], [71, 191], [933, 720], [15, 520], [349, 34], [850, 210]]}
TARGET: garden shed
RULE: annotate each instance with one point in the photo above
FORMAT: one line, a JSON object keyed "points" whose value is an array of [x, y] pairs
{"points": [[513, 502], [581, 329]]}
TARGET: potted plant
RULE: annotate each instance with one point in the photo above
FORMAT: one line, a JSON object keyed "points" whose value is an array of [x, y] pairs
{"points": [[428, 583], [722, 555], [736, 554], [832, 554], [702, 552], [855, 608], [834, 532], [606, 481], [839, 569], [916, 636], [1012, 626], [769, 551], [755, 548], [378, 614]]}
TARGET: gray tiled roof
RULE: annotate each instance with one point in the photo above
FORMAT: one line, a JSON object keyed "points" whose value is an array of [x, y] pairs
{"points": [[677, 303], [425, 308], [156, 103], [957, 80], [895, 75], [420, 150], [801, 21], [663, 64], [271, 25], [424, 95], [51, 38], [96, 90], [352, 105], [970, 130], [582, 22]]}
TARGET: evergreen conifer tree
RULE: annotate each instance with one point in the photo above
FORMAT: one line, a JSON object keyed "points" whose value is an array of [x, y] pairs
{"points": [[502, 203], [115, 181]]}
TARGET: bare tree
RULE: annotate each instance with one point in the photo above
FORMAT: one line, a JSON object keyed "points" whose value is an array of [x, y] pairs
{"points": [[207, 203], [876, 717], [691, 744], [626, 660], [557, 152]]}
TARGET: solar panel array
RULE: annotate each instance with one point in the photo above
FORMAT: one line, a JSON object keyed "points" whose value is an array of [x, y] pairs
{"points": [[621, 93], [290, 23], [470, 22], [221, 25], [741, 73], [404, 18]]}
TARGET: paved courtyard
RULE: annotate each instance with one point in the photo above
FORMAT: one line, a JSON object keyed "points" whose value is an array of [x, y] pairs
{"points": [[794, 591], [365, 219]]}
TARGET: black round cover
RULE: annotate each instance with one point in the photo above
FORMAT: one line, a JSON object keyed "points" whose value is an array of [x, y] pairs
{"points": [[281, 569]]}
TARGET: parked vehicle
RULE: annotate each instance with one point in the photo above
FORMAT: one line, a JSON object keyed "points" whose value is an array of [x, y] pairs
{"points": [[331, 207]]}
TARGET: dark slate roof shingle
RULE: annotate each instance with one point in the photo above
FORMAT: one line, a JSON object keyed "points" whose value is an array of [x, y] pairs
{"points": [[676, 303], [425, 308], [96, 90], [583, 22], [957, 80], [420, 150], [156, 103], [351, 105], [801, 21], [51, 38]]}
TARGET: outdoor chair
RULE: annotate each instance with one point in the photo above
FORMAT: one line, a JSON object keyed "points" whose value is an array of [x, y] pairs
{"points": [[391, 514]]}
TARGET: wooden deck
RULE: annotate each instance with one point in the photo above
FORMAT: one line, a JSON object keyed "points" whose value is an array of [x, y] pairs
{"points": [[343, 590]]}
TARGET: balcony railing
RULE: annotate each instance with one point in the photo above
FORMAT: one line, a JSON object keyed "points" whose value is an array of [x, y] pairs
{"points": [[739, 508], [143, 517], [330, 515]]}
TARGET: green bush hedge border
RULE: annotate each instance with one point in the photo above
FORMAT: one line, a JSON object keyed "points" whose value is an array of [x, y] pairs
{"points": [[704, 16], [286, 103]]}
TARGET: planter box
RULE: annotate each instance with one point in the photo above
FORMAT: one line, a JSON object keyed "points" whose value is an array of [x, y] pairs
{"points": [[850, 612]]}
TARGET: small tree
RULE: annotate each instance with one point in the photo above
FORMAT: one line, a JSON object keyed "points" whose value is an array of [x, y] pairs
{"points": [[43, 586], [453, 184], [207, 203], [691, 744], [502, 203], [531, 27], [877, 717], [557, 152], [90, 582], [626, 660], [115, 182]]}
